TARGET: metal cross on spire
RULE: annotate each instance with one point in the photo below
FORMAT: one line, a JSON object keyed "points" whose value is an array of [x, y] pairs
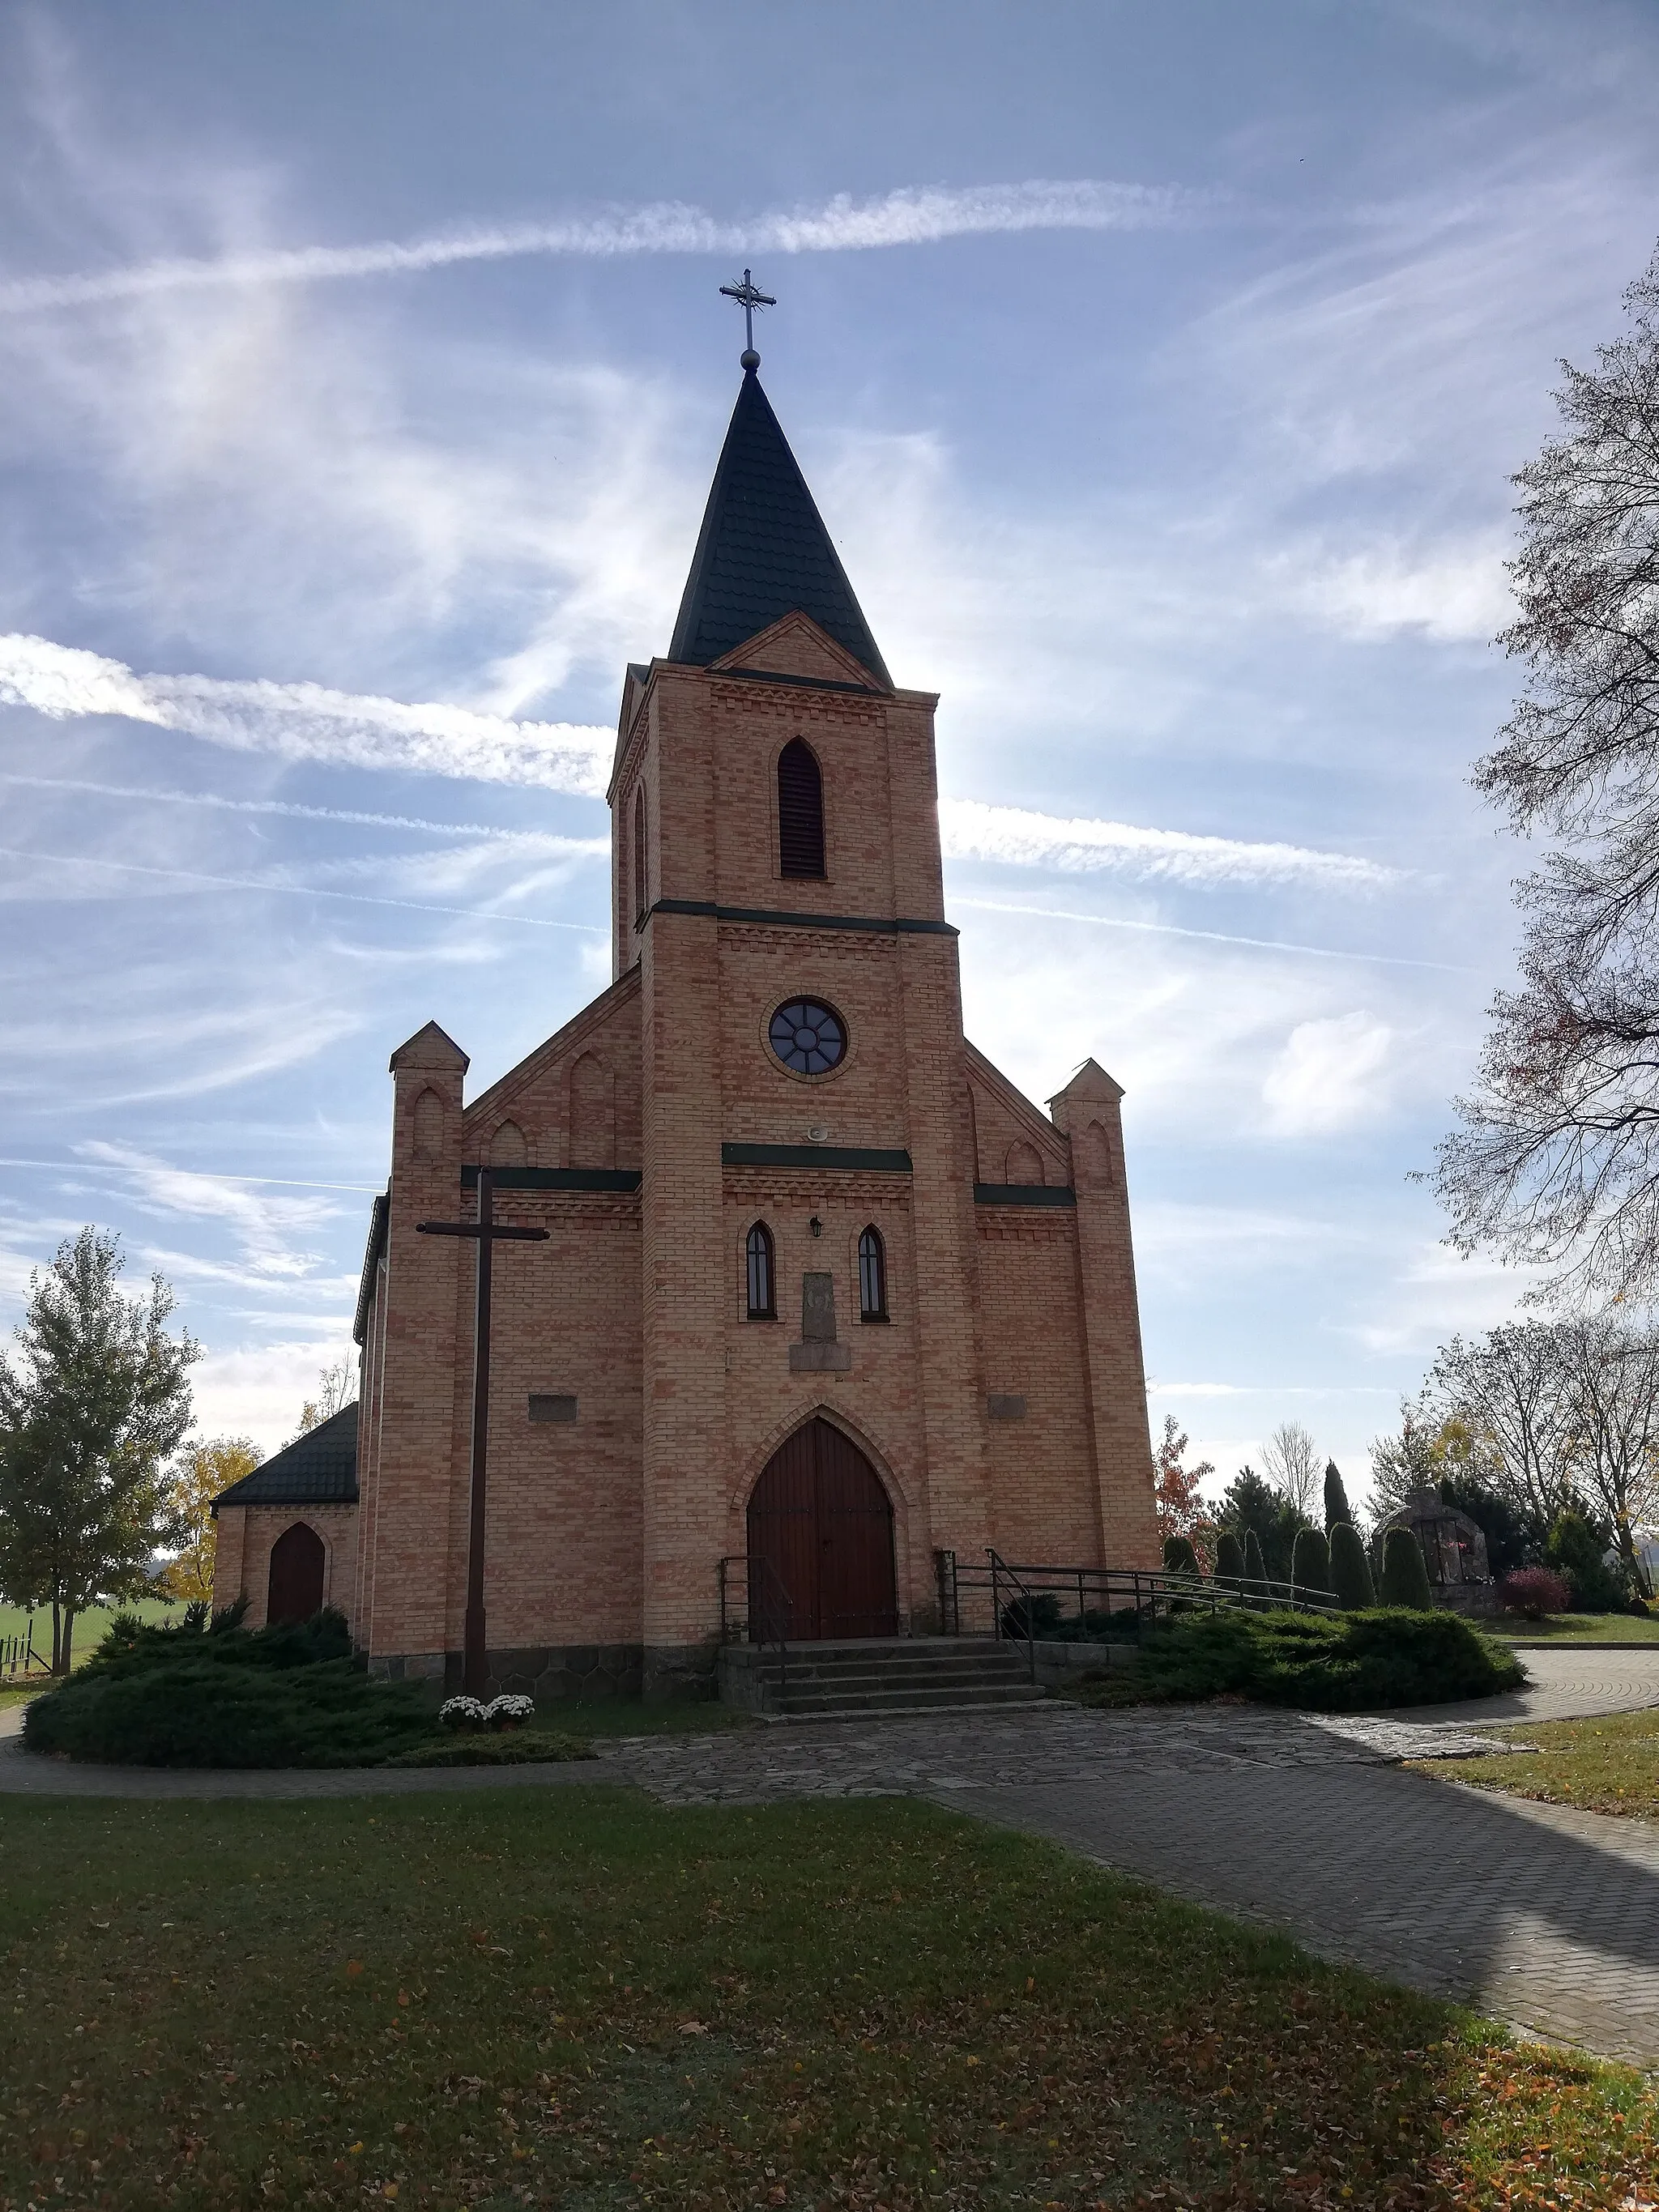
{"points": [[748, 297]]}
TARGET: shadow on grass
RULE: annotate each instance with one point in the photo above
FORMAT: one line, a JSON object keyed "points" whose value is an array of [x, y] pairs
{"points": [[590, 2000]]}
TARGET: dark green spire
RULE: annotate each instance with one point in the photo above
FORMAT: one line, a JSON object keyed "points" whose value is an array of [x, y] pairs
{"points": [[763, 551]]}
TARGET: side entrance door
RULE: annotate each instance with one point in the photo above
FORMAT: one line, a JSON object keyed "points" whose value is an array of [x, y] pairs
{"points": [[821, 1518], [297, 1560]]}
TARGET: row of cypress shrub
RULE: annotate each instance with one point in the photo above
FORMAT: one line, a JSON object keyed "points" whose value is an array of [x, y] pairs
{"points": [[1332, 1570]]}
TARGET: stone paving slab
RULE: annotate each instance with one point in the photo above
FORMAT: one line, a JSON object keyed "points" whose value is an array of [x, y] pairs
{"points": [[1542, 1916]]}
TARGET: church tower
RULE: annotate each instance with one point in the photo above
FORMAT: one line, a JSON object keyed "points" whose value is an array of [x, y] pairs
{"points": [[778, 852], [824, 1302]]}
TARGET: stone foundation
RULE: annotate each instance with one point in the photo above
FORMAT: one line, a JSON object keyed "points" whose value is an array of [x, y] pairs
{"points": [[681, 1670]]}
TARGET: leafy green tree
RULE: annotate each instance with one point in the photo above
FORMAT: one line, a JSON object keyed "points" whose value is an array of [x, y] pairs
{"points": [[1405, 1576], [1311, 1564], [1350, 1571], [1228, 1558], [1337, 1507], [1579, 1553], [95, 1401]]}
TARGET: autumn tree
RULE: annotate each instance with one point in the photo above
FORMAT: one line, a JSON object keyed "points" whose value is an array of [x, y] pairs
{"points": [[1557, 1163], [93, 1404], [203, 1471], [1176, 1488]]}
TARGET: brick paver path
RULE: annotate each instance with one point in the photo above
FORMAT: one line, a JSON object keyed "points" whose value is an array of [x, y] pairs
{"points": [[1544, 1917]]}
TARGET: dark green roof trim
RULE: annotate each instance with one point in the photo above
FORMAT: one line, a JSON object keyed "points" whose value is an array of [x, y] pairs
{"points": [[623, 1179], [804, 683], [871, 925], [319, 1468], [816, 1155], [1024, 1194], [762, 551], [379, 1216]]}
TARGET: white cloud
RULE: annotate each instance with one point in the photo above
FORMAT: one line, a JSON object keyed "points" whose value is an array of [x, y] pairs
{"points": [[1454, 591], [974, 830], [267, 1226], [258, 1390], [309, 721], [915, 216], [1327, 1076]]}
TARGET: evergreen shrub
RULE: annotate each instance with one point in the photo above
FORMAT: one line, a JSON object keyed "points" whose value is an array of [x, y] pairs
{"points": [[1405, 1576], [1311, 1565], [175, 1696], [1228, 1558], [1350, 1571], [1337, 1507], [1576, 1550], [1179, 1557], [1386, 1656], [1255, 1564]]}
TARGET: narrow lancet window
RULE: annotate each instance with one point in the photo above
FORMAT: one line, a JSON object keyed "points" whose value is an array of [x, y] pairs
{"points": [[762, 1296], [800, 812], [873, 1276], [640, 901]]}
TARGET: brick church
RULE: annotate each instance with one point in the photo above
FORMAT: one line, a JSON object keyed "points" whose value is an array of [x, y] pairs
{"points": [[822, 1295]]}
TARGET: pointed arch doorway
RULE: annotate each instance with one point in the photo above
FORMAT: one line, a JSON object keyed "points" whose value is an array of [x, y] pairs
{"points": [[819, 1516]]}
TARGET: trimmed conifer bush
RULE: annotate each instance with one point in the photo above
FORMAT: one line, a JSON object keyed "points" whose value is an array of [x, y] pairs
{"points": [[1350, 1571], [1337, 1507], [1179, 1557], [1405, 1576], [1311, 1565], [1255, 1567], [1229, 1558]]}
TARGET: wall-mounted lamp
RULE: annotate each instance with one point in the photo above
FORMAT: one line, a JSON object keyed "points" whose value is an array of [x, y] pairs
{"points": [[815, 1227]]}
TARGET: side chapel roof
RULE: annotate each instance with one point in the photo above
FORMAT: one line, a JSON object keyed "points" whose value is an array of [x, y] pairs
{"points": [[762, 551], [319, 1468]]}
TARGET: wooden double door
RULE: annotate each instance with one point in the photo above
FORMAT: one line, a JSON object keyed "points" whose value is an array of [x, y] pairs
{"points": [[820, 1521]]}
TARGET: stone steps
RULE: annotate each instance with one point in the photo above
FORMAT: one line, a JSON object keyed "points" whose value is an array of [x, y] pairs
{"points": [[910, 1675]]}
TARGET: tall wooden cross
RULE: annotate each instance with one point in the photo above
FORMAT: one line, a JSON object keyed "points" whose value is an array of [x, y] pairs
{"points": [[488, 1232]]}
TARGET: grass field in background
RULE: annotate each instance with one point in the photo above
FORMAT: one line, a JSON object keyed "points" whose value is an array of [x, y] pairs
{"points": [[90, 1627], [1577, 1628], [1609, 1764], [576, 1997]]}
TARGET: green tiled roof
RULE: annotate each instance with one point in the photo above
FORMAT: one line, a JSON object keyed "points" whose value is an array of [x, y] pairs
{"points": [[319, 1468], [763, 551]]}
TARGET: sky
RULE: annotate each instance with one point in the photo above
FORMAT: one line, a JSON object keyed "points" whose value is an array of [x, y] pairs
{"points": [[1159, 371]]}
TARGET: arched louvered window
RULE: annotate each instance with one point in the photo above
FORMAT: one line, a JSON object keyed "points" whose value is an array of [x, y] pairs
{"points": [[640, 901], [800, 812], [762, 1273], [873, 1276]]}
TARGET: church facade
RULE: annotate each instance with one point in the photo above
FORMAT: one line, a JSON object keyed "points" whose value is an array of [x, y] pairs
{"points": [[823, 1296]]}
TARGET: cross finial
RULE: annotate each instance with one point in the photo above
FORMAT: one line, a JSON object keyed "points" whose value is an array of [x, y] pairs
{"points": [[748, 298]]}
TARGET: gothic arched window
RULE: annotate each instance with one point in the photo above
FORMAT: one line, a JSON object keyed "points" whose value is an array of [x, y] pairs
{"points": [[800, 812], [762, 1294], [640, 902], [873, 1276]]}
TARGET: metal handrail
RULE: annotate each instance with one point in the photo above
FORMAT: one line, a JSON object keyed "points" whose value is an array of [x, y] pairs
{"points": [[779, 1614], [1000, 1566], [1145, 1594]]}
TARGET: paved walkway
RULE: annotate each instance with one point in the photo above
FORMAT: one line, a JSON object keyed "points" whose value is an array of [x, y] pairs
{"points": [[1544, 1917]]}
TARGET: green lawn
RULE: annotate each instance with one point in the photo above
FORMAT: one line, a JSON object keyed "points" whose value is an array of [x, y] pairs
{"points": [[1578, 1628], [1610, 1764], [90, 1627], [578, 1999]]}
